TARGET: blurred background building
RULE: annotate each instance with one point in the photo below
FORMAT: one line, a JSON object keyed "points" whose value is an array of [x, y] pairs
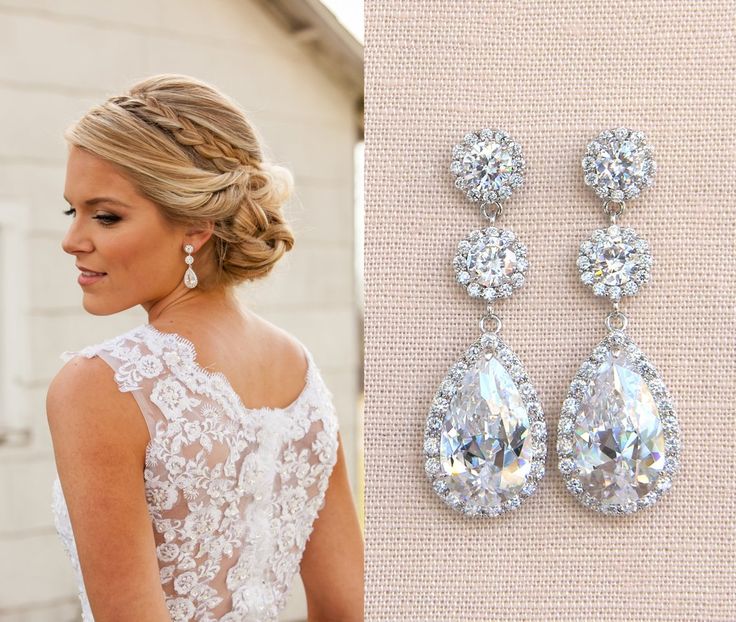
{"points": [[298, 72]]}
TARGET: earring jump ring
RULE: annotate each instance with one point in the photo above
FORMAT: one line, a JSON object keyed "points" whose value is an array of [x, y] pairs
{"points": [[495, 213]]}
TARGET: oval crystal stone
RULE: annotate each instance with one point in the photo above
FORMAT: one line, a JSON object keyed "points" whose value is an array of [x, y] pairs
{"points": [[490, 450], [615, 451]]}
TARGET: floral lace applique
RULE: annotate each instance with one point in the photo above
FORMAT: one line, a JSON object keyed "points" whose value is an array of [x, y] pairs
{"points": [[232, 492]]}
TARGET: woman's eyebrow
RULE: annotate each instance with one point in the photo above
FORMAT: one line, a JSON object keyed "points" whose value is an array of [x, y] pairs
{"points": [[98, 200]]}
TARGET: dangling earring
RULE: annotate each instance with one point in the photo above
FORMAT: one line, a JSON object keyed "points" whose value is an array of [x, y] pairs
{"points": [[190, 279], [484, 444], [618, 437]]}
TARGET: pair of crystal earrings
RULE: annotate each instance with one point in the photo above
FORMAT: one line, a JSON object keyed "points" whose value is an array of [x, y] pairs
{"points": [[618, 436]]}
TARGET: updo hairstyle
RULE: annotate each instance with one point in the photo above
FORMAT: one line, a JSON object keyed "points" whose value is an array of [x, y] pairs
{"points": [[191, 150]]}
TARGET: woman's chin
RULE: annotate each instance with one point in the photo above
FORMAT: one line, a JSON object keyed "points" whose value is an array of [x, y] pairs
{"points": [[94, 305]]}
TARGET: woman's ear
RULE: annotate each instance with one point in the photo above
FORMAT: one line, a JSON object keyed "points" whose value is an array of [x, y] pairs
{"points": [[198, 236]]}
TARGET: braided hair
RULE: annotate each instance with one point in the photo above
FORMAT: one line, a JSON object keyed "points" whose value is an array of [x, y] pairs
{"points": [[191, 150]]}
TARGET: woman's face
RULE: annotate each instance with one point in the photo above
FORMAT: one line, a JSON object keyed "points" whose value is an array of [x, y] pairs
{"points": [[121, 234]]}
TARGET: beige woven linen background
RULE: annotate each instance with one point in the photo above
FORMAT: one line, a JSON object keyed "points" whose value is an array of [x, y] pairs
{"points": [[553, 74]]}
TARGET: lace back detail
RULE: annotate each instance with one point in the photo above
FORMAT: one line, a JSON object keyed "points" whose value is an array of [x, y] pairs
{"points": [[232, 492]]}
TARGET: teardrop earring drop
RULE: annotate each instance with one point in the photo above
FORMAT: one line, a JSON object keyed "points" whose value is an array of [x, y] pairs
{"points": [[190, 278], [618, 437], [484, 445]]}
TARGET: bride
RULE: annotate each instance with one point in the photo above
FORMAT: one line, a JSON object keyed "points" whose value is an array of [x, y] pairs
{"points": [[199, 462]]}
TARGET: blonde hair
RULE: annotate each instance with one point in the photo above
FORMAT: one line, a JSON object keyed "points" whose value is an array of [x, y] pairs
{"points": [[191, 150]]}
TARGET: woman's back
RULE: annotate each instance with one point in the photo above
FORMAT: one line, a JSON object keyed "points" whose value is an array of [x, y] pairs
{"points": [[232, 490]]}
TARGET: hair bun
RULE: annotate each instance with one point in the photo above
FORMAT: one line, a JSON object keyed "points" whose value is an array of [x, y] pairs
{"points": [[258, 236]]}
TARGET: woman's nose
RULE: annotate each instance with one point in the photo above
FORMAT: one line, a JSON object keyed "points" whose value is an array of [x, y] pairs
{"points": [[76, 240]]}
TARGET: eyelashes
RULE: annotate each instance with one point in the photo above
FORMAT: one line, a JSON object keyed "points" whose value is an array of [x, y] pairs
{"points": [[105, 219]]}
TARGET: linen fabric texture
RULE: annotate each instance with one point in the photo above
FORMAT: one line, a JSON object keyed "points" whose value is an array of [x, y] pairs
{"points": [[554, 75]]}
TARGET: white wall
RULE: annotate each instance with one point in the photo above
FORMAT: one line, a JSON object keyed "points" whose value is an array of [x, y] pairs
{"points": [[56, 59]]}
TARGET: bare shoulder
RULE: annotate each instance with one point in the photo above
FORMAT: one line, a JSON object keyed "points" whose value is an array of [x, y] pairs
{"points": [[282, 362], [85, 408], [80, 381], [97, 434], [280, 346]]}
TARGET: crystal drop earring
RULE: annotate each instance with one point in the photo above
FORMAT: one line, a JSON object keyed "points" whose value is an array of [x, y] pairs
{"points": [[190, 278], [484, 444], [618, 436]]}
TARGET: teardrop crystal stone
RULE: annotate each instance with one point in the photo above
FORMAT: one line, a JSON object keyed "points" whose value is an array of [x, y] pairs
{"points": [[190, 279], [485, 441], [618, 439]]}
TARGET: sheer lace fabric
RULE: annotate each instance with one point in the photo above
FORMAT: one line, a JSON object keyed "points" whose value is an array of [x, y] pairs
{"points": [[232, 492]]}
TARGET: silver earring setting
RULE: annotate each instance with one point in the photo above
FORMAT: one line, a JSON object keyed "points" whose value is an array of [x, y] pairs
{"points": [[190, 278], [618, 437], [484, 444]]}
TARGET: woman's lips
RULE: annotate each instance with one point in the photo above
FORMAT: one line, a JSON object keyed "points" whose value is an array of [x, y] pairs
{"points": [[88, 278]]}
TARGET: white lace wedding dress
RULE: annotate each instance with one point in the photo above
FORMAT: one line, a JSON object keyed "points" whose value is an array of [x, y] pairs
{"points": [[232, 492]]}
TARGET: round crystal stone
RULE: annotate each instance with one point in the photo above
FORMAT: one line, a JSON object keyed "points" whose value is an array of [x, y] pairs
{"points": [[619, 164], [614, 263], [492, 264], [487, 166]]}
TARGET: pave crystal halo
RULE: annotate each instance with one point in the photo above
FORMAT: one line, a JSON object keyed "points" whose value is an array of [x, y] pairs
{"points": [[618, 437], [484, 444], [618, 164], [490, 263], [615, 262], [488, 165]]}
